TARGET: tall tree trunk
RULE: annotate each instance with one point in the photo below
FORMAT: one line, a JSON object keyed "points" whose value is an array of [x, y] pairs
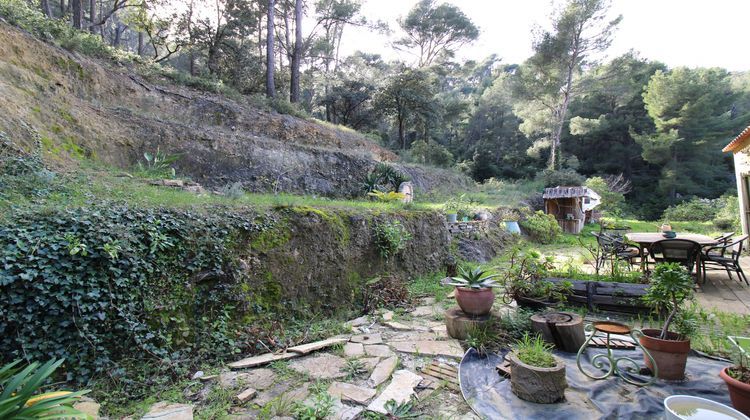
{"points": [[101, 19], [270, 56], [140, 43], [297, 53], [401, 135], [77, 6], [62, 8], [192, 62], [44, 4], [92, 16]]}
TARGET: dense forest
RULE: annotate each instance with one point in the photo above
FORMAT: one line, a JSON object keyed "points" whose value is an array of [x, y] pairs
{"points": [[564, 115]]}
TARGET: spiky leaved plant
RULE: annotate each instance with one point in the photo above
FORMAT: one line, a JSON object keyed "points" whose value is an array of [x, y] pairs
{"points": [[476, 278]]}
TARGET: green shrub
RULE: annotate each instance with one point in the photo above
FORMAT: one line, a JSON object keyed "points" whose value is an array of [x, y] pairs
{"points": [[612, 202], [541, 227], [695, 209], [391, 238], [107, 282], [430, 153], [728, 216], [561, 178]]}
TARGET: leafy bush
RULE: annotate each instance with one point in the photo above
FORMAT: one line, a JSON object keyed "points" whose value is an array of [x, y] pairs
{"points": [[97, 284], [383, 178], [391, 238], [696, 209], [19, 386], [387, 197], [430, 153], [541, 227], [561, 178], [728, 216], [612, 201]]}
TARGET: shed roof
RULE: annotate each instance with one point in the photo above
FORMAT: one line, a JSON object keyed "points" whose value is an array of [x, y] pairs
{"points": [[569, 192], [739, 142]]}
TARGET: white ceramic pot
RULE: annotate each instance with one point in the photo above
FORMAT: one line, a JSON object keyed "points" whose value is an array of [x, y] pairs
{"points": [[686, 407]]}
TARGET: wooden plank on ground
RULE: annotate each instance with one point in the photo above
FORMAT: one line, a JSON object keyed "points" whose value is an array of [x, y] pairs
{"points": [[263, 359], [441, 372], [311, 347], [504, 369], [601, 342]]}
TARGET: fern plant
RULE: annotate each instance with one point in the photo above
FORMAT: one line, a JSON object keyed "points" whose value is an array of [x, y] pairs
{"points": [[20, 397]]}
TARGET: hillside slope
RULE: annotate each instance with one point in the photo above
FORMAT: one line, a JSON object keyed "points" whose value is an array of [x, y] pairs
{"points": [[83, 107]]}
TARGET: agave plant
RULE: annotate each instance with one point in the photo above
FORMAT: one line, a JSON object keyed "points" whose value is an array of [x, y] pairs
{"points": [[20, 397], [474, 279]]}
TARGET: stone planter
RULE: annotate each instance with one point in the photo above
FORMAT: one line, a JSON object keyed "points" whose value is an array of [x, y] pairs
{"points": [[739, 392], [475, 302], [670, 355], [535, 384]]}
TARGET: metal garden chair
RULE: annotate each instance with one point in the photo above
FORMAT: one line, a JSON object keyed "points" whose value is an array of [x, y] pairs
{"points": [[726, 257], [682, 251]]}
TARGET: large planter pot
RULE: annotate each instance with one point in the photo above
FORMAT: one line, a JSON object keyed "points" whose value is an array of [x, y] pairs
{"points": [[535, 384], [475, 302], [512, 227], [452, 217], [670, 355], [739, 392]]}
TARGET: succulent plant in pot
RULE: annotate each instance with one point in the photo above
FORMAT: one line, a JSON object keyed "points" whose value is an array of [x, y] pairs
{"points": [[536, 375], [474, 293], [671, 287], [737, 377]]}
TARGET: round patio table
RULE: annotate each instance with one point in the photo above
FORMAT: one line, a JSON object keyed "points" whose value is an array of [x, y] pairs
{"points": [[645, 239]]}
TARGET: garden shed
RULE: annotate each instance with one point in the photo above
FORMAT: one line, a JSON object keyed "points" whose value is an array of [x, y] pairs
{"points": [[571, 206], [740, 147]]}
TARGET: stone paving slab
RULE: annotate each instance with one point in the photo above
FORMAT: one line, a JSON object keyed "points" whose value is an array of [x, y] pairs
{"points": [[379, 350], [400, 389], [367, 339], [354, 349], [260, 378], [447, 348], [164, 410], [311, 347], [350, 392], [321, 366], [383, 371], [263, 359]]}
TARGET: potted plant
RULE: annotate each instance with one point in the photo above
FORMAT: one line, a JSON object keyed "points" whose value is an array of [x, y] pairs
{"points": [[524, 281], [510, 218], [670, 288], [737, 377], [474, 293], [535, 374], [451, 209]]}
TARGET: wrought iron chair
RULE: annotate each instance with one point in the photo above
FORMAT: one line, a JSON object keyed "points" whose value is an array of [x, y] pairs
{"points": [[682, 251], [614, 247], [720, 240], [726, 257]]}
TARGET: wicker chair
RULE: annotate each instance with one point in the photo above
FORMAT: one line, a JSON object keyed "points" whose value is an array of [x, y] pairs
{"points": [[726, 257]]}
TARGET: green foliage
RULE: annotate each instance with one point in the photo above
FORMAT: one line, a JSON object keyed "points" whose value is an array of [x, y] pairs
{"points": [[525, 274], [698, 209], [435, 30], [321, 408], [430, 152], [561, 178], [476, 278], [484, 337], [383, 178], [233, 191], [395, 411], [671, 285], [387, 197], [728, 216], [461, 206], [534, 351], [516, 323], [354, 368], [158, 164], [391, 238], [98, 284], [21, 397], [612, 201], [24, 174], [542, 228]]}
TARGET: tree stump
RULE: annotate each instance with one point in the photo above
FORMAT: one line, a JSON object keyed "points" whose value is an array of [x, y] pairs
{"points": [[460, 324], [535, 384], [563, 329]]}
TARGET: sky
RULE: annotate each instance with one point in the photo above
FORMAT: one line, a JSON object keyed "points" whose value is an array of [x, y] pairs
{"points": [[693, 33]]}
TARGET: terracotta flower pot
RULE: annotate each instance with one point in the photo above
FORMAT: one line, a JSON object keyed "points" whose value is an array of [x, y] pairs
{"points": [[739, 392], [670, 354], [476, 302], [536, 384]]}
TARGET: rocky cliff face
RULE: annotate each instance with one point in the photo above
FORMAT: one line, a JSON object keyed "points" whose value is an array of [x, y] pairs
{"points": [[85, 108]]}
